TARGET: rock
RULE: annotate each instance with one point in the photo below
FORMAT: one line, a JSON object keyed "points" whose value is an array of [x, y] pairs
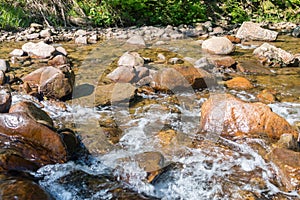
{"points": [[296, 32], [70, 140], [93, 39], [166, 137], [233, 39], [81, 40], [52, 82], [11, 160], [2, 78], [62, 50], [131, 59], [136, 40], [287, 141], [239, 83], [40, 49], [229, 116], [180, 77], [80, 32], [33, 36], [32, 140], [252, 31], [58, 60], [12, 187], [218, 45], [151, 162], [288, 162], [17, 52], [273, 55], [4, 65], [252, 67], [225, 62], [36, 26], [126, 74], [5, 100], [45, 33], [32, 111], [115, 92], [266, 96]]}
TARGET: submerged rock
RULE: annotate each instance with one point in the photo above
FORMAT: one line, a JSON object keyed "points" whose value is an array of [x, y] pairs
{"points": [[253, 31], [226, 115], [113, 93], [180, 77]]}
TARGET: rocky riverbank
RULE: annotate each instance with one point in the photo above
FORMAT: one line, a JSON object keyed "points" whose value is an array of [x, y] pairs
{"points": [[145, 80]]}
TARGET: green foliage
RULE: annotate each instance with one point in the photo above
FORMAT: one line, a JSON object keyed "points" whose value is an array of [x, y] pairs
{"points": [[12, 17], [19, 13]]}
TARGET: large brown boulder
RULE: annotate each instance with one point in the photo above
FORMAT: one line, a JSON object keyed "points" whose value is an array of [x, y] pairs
{"points": [[288, 162], [253, 31], [31, 140], [20, 188], [32, 111], [180, 77], [224, 114], [52, 82]]}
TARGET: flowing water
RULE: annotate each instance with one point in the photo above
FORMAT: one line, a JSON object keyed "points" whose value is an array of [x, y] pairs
{"points": [[194, 167]]}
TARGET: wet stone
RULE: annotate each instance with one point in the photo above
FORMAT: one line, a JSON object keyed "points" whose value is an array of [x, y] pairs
{"points": [[5, 100]]}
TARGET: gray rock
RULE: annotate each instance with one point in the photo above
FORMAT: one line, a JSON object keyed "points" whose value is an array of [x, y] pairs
{"points": [[272, 53], [40, 49], [296, 32], [93, 39], [33, 36], [4, 65], [17, 52], [45, 33], [218, 45], [62, 50], [81, 40], [80, 32], [131, 59], [252, 31], [136, 40]]}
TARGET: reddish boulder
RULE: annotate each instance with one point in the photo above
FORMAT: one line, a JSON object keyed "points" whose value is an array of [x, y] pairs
{"points": [[239, 83], [288, 162], [20, 188], [51, 82], [224, 114], [182, 77], [32, 140], [32, 111]]}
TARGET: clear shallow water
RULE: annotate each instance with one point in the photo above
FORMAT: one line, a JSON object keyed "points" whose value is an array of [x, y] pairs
{"points": [[204, 168]]}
